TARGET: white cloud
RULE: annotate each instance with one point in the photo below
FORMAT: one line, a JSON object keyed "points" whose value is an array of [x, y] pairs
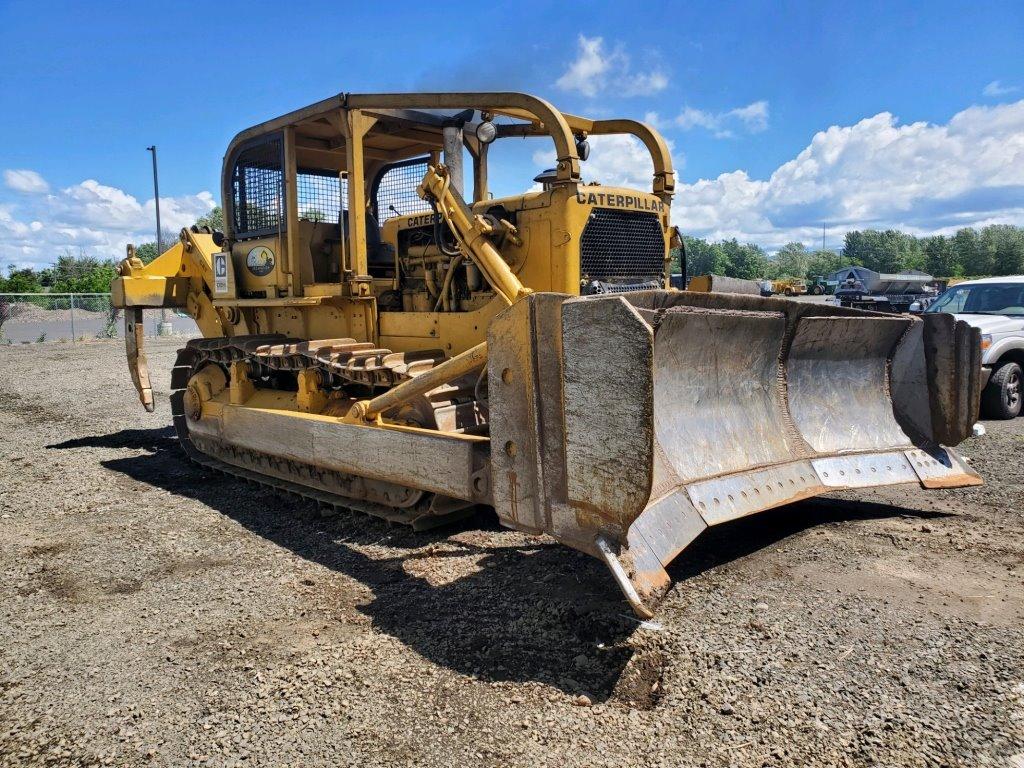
{"points": [[643, 83], [879, 173], [752, 118], [996, 88], [587, 73], [654, 120], [599, 70], [25, 181], [99, 218], [919, 177], [692, 118]]}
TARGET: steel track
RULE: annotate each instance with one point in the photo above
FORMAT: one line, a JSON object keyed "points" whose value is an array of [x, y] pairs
{"points": [[275, 473]]}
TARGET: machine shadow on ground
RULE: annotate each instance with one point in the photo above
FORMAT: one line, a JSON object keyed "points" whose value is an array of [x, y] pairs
{"points": [[528, 611]]}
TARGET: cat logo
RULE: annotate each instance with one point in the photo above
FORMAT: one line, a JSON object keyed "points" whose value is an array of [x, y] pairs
{"points": [[220, 273], [419, 221], [608, 200], [260, 261]]}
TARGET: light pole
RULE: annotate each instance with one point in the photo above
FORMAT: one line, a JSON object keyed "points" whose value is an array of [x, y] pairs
{"points": [[164, 329]]}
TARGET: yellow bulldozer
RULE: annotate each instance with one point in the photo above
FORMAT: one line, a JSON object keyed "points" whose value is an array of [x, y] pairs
{"points": [[377, 338], [789, 286]]}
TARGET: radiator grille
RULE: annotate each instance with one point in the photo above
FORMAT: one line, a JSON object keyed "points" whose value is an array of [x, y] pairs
{"points": [[622, 247]]}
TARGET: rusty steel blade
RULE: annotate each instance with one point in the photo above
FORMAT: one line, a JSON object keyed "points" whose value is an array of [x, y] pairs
{"points": [[626, 425]]}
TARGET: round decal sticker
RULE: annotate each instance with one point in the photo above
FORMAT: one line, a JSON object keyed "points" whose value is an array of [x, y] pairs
{"points": [[260, 261]]}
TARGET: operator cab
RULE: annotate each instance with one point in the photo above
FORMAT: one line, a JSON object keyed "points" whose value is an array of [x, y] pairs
{"points": [[325, 202]]}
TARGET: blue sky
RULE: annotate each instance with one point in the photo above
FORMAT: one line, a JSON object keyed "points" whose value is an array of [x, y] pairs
{"points": [[780, 115]]}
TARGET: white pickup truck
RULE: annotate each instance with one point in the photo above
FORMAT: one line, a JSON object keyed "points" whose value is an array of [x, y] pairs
{"points": [[995, 306]]}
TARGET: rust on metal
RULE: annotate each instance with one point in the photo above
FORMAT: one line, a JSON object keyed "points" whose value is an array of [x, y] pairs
{"points": [[525, 353]]}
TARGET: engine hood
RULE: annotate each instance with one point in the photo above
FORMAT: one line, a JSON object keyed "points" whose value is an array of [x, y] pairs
{"points": [[994, 323]]}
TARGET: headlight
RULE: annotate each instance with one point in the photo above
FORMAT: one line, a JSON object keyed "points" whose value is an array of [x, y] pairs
{"points": [[486, 132], [986, 341]]}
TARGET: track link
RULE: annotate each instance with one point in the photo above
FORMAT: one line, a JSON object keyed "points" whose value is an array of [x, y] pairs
{"points": [[286, 475], [340, 361]]}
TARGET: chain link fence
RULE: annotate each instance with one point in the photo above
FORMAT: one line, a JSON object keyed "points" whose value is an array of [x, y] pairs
{"points": [[30, 318]]}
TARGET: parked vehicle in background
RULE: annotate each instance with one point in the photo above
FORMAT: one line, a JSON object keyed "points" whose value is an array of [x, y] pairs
{"points": [[820, 286], [995, 306], [863, 288], [790, 286]]}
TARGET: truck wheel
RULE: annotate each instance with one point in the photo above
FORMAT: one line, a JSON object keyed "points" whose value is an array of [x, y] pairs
{"points": [[817, 290], [788, 292], [1001, 398]]}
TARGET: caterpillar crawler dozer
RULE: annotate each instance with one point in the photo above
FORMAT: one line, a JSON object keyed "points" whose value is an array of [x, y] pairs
{"points": [[374, 337]]}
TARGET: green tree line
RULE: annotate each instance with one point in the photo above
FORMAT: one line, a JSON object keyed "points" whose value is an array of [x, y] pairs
{"points": [[84, 273], [994, 250], [69, 274]]}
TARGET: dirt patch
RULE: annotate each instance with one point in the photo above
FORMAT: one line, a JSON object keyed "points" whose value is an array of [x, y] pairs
{"points": [[641, 683], [120, 586], [54, 548], [58, 583], [155, 613], [190, 567]]}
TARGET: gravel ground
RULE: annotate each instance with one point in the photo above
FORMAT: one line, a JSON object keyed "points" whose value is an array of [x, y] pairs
{"points": [[153, 613]]}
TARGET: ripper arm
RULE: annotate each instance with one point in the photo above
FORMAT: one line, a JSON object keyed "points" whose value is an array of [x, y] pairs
{"points": [[180, 278]]}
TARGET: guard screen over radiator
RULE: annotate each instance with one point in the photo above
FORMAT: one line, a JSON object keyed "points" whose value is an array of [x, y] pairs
{"points": [[622, 248]]}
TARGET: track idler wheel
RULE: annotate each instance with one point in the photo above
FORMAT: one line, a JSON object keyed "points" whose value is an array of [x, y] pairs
{"points": [[203, 386]]}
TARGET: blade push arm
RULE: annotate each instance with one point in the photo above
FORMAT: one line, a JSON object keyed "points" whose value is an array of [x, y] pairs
{"points": [[472, 232]]}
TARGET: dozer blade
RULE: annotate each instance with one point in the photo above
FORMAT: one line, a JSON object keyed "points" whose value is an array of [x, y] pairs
{"points": [[624, 426]]}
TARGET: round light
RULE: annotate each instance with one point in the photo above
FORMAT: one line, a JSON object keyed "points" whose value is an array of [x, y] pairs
{"points": [[486, 132]]}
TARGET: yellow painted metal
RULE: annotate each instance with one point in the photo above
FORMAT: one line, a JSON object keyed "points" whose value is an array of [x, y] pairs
{"points": [[700, 283], [355, 136], [271, 423], [310, 396], [241, 386], [471, 360], [789, 286], [181, 277], [612, 429], [138, 366], [158, 285], [472, 232], [289, 255], [203, 387], [355, 126]]}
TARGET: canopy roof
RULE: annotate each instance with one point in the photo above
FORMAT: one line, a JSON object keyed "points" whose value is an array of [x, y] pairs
{"points": [[407, 125]]}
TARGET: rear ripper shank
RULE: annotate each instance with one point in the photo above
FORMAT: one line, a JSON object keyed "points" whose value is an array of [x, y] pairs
{"points": [[371, 339]]}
